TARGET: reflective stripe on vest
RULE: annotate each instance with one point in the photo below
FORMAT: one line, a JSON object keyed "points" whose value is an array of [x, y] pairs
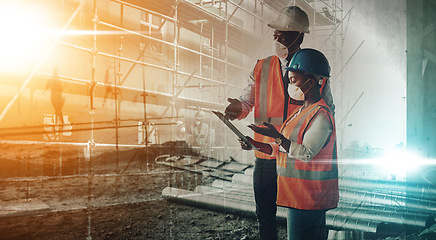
{"points": [[270, 91], [263, 90], [291, 171], [263, 97]]}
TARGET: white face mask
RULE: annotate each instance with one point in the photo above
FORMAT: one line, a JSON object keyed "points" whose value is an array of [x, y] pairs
{"points": [[280, 50], [295, 92]]}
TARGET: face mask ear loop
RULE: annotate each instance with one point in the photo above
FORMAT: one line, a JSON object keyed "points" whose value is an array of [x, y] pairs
{"points": [[303, 85], [293, 44]]}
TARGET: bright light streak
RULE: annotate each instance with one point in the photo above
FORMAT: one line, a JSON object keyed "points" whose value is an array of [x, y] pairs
{"points": [[24, 28], [400, 162], [393, 164], [27, 31], [88, 32]]}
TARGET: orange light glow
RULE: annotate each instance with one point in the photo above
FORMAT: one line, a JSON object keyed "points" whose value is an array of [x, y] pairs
{"points": [[24, 31]]}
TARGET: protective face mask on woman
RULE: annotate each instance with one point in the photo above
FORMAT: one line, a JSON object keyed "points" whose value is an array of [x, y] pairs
{"points": [[280, 49], [295, 92]]}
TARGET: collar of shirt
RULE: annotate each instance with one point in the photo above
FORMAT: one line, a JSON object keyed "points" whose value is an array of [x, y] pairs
{"points": [[284, 63]]}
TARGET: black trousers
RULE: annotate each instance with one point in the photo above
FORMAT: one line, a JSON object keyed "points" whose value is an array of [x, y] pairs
{"points": [[265, 195], [306, 224]]}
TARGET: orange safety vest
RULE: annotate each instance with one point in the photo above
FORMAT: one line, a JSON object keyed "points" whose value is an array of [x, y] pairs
{"points": [[269, 103], [312, 185]]}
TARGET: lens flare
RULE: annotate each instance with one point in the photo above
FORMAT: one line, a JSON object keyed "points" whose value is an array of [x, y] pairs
{"points": [[400, 162], [24, 32]]}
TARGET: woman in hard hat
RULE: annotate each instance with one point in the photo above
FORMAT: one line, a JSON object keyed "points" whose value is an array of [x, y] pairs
{"points": [[305, 148]]}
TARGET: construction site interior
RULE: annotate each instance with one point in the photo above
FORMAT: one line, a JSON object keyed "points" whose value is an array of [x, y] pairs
{"points": [[107, 104]]}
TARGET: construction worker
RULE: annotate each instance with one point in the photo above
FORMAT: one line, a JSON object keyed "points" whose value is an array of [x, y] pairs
{"points": [[200, 130], [305, 148], [266, 93], [56, 96], [109, 80]]}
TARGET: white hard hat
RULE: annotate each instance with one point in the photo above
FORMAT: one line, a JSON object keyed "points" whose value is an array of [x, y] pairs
{"points": [[291, 18], [200, 115]]}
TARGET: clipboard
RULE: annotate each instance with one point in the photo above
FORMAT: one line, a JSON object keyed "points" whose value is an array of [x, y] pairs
{"points": [[233, 128]]}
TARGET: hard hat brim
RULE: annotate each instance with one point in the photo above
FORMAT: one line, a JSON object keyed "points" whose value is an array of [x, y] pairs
{"points": [[286, 29]]}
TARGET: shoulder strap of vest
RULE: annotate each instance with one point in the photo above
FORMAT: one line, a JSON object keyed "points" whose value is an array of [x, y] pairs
{"points": [[329, 115], [291, 171], [296, 130]]}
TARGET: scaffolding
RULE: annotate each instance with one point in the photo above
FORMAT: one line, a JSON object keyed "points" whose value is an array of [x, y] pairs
{"points": [[184, 56], [160, 63]]}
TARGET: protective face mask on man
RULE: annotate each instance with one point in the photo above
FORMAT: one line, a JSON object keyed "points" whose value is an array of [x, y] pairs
{"points": [[295, 92], [280, 49]]}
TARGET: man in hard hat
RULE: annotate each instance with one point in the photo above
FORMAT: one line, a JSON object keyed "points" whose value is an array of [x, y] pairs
{"points": [[200, 130], [267, 94]]}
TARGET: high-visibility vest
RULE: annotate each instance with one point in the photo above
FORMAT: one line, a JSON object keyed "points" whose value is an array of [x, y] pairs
{"points": [[312, 185], [270, 99]]}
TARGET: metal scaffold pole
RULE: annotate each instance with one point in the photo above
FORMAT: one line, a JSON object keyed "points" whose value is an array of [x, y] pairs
{"points": [[144, 95], [226, 59], [89, 148], [116, 92]]}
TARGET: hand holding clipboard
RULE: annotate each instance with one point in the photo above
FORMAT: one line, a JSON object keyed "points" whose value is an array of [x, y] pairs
{"points": [[234, 129]]}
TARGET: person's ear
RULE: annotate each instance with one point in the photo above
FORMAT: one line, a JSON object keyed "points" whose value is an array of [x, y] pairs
{"points": [[314, 83]]}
